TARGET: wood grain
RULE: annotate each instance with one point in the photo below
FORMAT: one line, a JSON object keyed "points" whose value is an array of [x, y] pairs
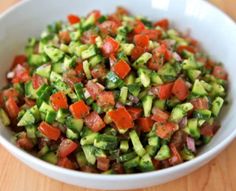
{"points": [[218, 175]]}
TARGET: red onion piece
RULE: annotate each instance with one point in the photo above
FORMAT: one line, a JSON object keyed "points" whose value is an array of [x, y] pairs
{"points": [[183, 122], [191, 144]]}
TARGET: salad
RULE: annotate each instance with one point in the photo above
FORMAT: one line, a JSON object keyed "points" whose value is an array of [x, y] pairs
{"points": [[113, 94]]}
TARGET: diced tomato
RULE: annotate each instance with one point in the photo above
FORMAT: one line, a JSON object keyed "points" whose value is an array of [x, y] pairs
{"points": [[66, 163], [163, 91], [79, 69], [219, 72], [89, 37], [21, 74], [156, 164], [49, 131], [96, 14], [37, 81], [71, 79], [141, 40], [157, 60], [160, 116], [73, 19], [121, 11], [103, 163], [64, 37], [99, 71], [116, 18], [175, 156], [66, 147], [24, 142], [94, 122], [145, 124], [207, 130], [112, 60], [181, 48], [94, 89], [180, 89], [106, 98], [121, 118], [118, 168], [164, 130], [163, 50], [152, 34], [110, 46], [135, 112], [139, 27], [88, 168], [108, 27], [12, 108], [137, 52], [19, 59], [122, 68], [200, 103], [29, 102], [11, 92], [59, 101], [209, 64], [79, 109], [164, 23]]}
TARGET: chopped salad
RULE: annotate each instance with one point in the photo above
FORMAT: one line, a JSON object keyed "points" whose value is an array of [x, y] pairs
{"points": [[113, 94]]}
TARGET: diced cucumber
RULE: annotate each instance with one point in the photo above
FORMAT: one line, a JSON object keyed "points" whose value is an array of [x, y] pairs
{"points": [[95, 60], [138, 147], [192, 128], [130, 79], [99, 152], [88, 139], [89, 52], [75, 124], [134, 89], [144, 77], [124, 146], [155, 78], [198, 89], [191, 63], [44, 70], [145, 163], [79, 91], [98, 41], [154, 141], [50, 157], [187, 154], [147, 105], [81, 159], [88, 22], [180, 111], [4, 117], [43, 93], [160, 104], [193, 74], [53, 53], [55, 77], [31, 131], [151, 150], [127, 48], [50, 116], [89, 153], [106, 142], [217, 105], [30, 91], [43, 151], [217, 90], [113, 81], [86, 67], [202, 114], [167, 73], [206, 86], [143, 59], [62, 115], [123, 94], [163, 153], [36, 59], [69, 62], [127, 156], [71, 134], [45, 108], [27, 119], [132, 163]]}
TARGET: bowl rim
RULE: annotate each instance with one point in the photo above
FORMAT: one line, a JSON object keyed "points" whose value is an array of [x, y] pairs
{"points": [[12, 148]]}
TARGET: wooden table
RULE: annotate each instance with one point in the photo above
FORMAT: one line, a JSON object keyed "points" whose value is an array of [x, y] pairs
{"points": [[218, 175]]}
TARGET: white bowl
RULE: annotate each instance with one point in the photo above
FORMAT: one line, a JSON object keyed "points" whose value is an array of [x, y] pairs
{"points": [[214, 29]]}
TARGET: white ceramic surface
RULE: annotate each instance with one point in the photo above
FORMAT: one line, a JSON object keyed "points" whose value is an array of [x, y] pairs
{"points": [[214, 29]]}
